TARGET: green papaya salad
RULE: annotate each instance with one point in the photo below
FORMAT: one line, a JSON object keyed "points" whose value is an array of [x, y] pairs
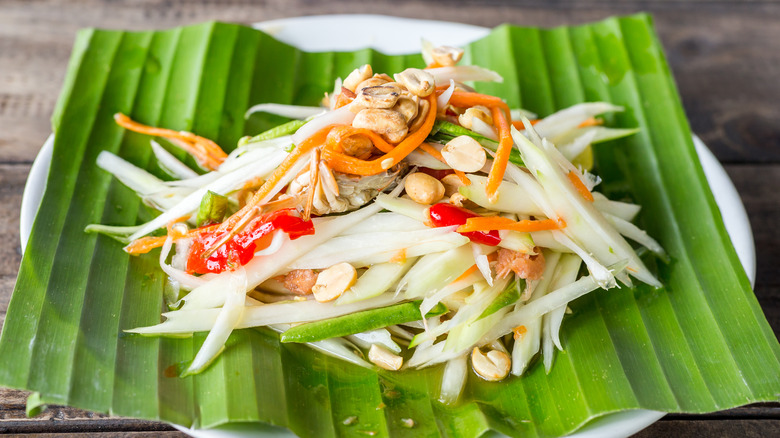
{"points": [[409, 221]]}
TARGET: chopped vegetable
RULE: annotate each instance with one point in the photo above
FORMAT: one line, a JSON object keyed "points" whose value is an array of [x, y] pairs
{"points": [[475, 249], [359, 322], [444, 215], [212, 210]]}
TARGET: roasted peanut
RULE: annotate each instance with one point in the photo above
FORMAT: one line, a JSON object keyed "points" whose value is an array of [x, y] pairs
{"points": [[458, 200], [447, 56], [422, 113], [467, 118], [357, 76], [356, 145], [332, 282], [370, 82], [383, 358], [451, 184], [493, 366], [388, 123], [384, 76], [408, 107], [418, 82], [379, 96], [464, 153], [423, 188]]}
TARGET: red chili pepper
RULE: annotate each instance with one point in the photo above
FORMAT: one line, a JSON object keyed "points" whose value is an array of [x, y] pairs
{"points": [[241, 248], [445, 215]]}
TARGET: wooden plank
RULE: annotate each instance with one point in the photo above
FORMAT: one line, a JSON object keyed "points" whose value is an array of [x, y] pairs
{"points": [[711, 428], [166, 434], [757, 185], [727, 78]]}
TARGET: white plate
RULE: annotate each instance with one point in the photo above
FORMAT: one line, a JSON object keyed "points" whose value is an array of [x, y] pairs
{"points": [[352, 32]]}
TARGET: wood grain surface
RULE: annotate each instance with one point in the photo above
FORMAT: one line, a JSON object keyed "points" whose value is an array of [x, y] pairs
{"points": [[725, 56]]}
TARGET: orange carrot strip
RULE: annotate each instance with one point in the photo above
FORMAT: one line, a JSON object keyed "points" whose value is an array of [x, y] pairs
{"points": [[518, 124], [314, 177], [505, 143], [469, 99], [145, 244], [591, 122], [436, 154], [519, 332], [434, 64], [203, 158], [355, 166], [305, 146], [498, 109], [254, 182], [340, 133], [399, 257], [148, 243], [203, 149], [487, 223], [344, 98], [580, 186], [493, 256], [468, 272]]}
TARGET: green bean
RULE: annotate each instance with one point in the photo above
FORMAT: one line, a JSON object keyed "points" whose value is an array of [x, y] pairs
{"points": [[213, 208], [359, 322], [278, 131], [509, 296]]}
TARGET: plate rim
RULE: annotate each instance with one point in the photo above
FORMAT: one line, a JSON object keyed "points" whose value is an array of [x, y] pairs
{"points": [[618, 424]]}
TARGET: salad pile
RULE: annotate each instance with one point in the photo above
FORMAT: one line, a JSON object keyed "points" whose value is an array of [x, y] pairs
{"points": [[407, 222]]}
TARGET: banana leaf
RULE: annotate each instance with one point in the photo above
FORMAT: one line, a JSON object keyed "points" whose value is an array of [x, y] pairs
{"points": [[699, 344]]}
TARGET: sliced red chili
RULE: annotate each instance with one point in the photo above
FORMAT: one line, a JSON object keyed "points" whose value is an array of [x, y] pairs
{"points": [[445, 215], [241, 248]]}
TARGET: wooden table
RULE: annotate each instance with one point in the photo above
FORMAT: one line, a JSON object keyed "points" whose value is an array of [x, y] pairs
{"points": [[725, 56]]}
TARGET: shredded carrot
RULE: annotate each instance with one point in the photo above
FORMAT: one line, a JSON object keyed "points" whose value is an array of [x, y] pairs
{"points": [[252, 183], [432, 151], [469, 99], [399, 257], [208, 153], [519, 332], [591, 122], [519, 125], [580, 186], [505, 143], [344, 98], [148, 243], [145, 244], [468, 272], [203, 158], [493, 256], [434, 64], [500, 111], [490, 223], [171, 231], [340, 133], [314, 178], [355, 166], [305, 146]]}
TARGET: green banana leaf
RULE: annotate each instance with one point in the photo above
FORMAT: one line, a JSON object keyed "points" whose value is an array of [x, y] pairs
{"points": [[699, 344]]}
